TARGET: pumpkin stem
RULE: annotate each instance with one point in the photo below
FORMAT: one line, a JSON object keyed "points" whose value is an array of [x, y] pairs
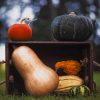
{"points": [[72, 14], [27, 19]]}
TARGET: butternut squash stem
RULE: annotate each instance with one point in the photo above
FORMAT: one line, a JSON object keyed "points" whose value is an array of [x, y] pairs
{"points": [[14, 47]]}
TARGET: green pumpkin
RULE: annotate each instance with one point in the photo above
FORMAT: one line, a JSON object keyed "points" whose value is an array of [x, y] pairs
{"points": [[79, 90], [71, 27]]}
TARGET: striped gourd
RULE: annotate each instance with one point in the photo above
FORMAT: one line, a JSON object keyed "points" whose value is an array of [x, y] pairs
{"points": [[82, 90]]}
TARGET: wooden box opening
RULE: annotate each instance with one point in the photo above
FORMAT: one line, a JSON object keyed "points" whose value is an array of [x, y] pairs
{"points": [[50, 53]]}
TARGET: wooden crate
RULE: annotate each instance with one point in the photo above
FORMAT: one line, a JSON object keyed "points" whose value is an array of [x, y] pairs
{"points": [[49, 52]]}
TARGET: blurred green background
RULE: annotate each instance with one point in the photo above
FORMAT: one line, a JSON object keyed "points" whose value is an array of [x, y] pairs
{"points": [[45, 11]]}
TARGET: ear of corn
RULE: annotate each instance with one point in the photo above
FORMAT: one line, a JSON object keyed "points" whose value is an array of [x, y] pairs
{"points": [[67, 82], [72, 85]]}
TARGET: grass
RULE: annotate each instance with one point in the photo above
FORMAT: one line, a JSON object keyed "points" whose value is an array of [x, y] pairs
{"points": [[4, 96], [97, 78], [2, 72]]}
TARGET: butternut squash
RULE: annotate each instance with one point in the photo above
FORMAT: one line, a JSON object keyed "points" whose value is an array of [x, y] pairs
{"points": [[39, 79]]}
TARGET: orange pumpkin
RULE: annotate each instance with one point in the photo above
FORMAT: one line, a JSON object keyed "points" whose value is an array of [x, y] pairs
{"points": [[20, 32], [70, 67]]}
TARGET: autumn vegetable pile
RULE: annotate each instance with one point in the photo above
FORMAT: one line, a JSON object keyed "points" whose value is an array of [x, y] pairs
{"points": [[39, 78], [71, 83]]}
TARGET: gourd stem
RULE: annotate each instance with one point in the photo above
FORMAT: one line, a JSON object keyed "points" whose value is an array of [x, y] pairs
{"points": [[72, 14], [23, 20], [32, 21], [29, 20]]}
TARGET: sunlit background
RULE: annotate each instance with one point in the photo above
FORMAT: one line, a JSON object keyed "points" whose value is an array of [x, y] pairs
{"points": [[44, 11]]}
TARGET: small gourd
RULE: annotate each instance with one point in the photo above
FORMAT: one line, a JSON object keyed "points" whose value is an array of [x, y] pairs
{"points": [[82, 90], [70, 67]]}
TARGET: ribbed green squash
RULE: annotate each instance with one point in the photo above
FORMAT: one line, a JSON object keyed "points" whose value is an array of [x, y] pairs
{"points": [[71, 27], [80, 90]]}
